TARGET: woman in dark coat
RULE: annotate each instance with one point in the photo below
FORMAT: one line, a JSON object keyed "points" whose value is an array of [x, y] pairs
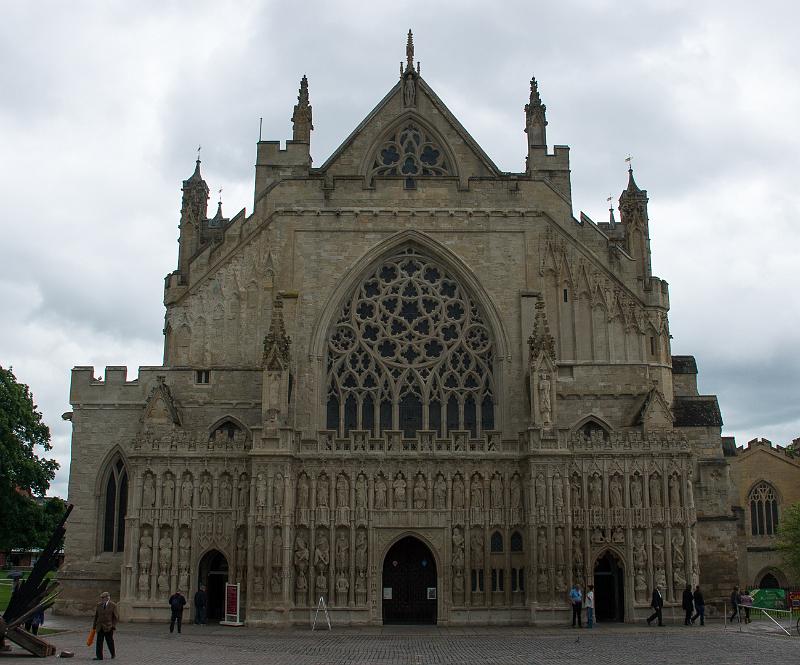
{"points": [[688, 605]]}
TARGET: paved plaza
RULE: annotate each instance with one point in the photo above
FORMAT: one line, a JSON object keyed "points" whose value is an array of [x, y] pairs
{"points": [[418, 645]]}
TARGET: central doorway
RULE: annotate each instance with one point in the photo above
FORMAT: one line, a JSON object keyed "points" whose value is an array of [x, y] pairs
{"points": [[609, 588], [213, 572], [409, 583]]}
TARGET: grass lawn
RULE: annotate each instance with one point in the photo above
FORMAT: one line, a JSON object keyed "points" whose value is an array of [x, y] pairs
{"points": [[6, 585]]}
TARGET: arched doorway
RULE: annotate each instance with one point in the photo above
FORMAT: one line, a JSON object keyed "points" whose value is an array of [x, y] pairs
{"points": [[609, 588], [769, 581], [213, 573], [409, 583]]}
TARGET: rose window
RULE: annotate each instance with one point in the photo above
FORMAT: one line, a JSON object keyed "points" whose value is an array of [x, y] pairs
{"points": [[409, 152], [410, 351]]}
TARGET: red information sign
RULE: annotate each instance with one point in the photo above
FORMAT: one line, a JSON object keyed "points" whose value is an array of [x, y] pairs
{"points": [[232, 600], [794, 600]]}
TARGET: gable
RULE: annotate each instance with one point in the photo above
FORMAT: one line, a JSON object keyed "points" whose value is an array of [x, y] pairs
{"points": [[459, 156]]}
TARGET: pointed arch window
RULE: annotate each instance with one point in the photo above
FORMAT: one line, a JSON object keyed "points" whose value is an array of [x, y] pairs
{"points": [[115, 506], [409, 351], [763, 510]]}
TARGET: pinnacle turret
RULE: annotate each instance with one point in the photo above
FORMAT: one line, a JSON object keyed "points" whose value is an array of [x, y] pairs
{"points": [[535, 117], [302, 116]]}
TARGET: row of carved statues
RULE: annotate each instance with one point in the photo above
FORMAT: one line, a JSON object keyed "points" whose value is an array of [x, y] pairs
{"points": [[401, 493]]}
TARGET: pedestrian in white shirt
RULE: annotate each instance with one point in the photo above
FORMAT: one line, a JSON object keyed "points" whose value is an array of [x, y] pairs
{"points": [[589, 602]]}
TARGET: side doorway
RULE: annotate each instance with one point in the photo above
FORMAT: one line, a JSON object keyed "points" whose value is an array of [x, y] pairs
{"points": [[609, 588], [213, 573]]}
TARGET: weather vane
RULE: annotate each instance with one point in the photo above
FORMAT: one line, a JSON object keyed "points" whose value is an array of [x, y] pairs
{"points": [[220, 194], [198, 152]]}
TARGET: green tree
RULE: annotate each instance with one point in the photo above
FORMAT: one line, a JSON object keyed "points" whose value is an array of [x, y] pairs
{"points": [[789, 538], [23, 471]]}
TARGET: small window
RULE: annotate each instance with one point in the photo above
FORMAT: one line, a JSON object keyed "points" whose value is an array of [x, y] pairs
{"points": [[516, 542], [652, 346], [202, 376], [496, 543], [566, 296]]}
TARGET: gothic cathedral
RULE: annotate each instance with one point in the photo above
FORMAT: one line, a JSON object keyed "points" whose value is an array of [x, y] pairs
{"points": [[411, 384]]}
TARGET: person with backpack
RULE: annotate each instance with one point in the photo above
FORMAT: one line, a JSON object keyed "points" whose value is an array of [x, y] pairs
{"points": [[177, 601]]}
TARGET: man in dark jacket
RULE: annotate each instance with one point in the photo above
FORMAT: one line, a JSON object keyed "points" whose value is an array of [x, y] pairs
{"points": [[200, 605], [736, 600], [657, 602], [176, 604], [688, 605], [699, 606], [105, 623]]}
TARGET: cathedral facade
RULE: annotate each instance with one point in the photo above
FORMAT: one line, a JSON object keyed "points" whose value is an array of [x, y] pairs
{"points": [[409, 383]]}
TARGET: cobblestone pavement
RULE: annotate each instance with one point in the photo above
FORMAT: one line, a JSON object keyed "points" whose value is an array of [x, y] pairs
{"points": [[417, 645]]}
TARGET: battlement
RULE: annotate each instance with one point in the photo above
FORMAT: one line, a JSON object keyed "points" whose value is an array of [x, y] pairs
{"points": [[540, 160], [270, 153], [755, 444]]}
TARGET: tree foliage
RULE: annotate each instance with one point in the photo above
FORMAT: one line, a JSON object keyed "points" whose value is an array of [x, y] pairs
{"points": [[24, 473], [789, 538]]}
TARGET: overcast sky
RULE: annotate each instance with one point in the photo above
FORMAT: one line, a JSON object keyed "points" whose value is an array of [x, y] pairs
{"points": [[102, 106]]}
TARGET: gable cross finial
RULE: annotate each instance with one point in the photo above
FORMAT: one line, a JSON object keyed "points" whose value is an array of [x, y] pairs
{"points": [[410, 51]]}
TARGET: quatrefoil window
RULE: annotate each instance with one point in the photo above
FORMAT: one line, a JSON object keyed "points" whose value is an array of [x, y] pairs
{"points": [[410, 351], [409, 152]]}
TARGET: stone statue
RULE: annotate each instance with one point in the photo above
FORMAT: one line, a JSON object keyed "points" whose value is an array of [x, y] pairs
{"points": [[689, 493], [639, 551], [277, 549], [258, 549], [595, 492], [380, 493], [261, 491], [541, 547], [301, 583], [458, 550], [577, 549], [420, 492], [275, 585], [205, 492], [149, 492], [301, 553], [655, 491], [545, 407], [342, 584], [277, 494], [342, 552], [541, 491], [476, 494], [321, 583], [440, 493], [399, 486], [186, 492], [323, 490], [409, 90], [342, 492], [674, 491], [168, 491], [302, 492], [361, 583], [658, 549], [165, 553], [184, 549], [458, 493], [145, 552], [225, 492], [476, 548], [361, 551], [496, 492], [322, 554], [241, 555], [575, 491], [558, 492], [615, 492], [678, 541], [561, 584], [516, 493], [361, 492], [636, 491], [244, 492]]}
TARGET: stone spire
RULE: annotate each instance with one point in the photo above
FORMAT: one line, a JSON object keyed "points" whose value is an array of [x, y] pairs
{"points": [[535, 120], [194, 209], [408, 77], [634, 219], [277, 343], [410, 51], [541, 341], [301, 118]]}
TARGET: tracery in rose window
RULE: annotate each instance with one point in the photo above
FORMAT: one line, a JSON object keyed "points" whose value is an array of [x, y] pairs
{"points": [[410, 350], [409, 152]]}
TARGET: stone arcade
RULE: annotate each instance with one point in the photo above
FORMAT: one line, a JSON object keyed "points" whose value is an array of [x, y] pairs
{"points": [[410, 383]]}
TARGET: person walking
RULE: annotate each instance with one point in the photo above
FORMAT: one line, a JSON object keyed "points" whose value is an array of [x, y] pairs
{"points": [[656, 602], [576, 599], [590, 606], [699, 606], [200, 605], [687, 603], [105, 623], [736, 599], [33, 623], [177, 601], [746, 601]]}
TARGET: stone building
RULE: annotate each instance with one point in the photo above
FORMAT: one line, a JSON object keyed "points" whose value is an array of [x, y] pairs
{"points": [[767, 479], [408, 382]]}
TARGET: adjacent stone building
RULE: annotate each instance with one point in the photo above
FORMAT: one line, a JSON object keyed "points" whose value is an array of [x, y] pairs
{"points": [[767, 478], [407, 382]]}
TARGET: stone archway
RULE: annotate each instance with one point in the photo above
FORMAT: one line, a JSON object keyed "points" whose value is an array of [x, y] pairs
{"points": [[609, 587], [212, 571], [409, 586]]}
